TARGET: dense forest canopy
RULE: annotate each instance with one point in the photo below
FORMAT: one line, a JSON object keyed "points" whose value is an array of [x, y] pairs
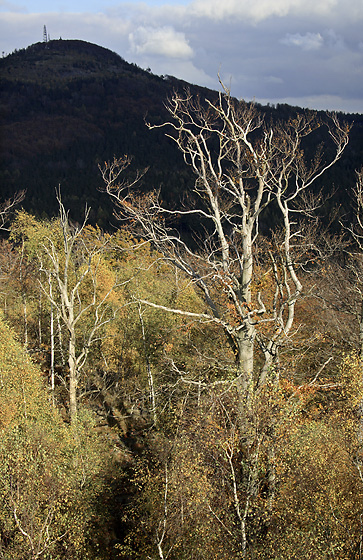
{"points": [[182, 380]]}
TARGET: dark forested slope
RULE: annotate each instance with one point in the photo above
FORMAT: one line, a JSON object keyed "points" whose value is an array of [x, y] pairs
{"points": [[67, 106]]}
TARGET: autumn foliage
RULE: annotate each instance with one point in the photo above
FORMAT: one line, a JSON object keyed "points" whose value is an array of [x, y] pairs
{"points": [[168, 398]]}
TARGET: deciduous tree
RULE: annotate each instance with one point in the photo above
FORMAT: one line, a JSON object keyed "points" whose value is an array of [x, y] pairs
{"points": [[250, 283], [243, 166]]}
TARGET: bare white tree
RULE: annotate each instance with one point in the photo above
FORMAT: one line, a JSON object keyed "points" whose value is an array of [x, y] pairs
{"points": [[356, 256], [67, 270], [243, 166]]}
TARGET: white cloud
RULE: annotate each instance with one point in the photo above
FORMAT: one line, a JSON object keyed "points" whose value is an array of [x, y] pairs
{"points": [[259, 10], [163, 41], [308, 42], [185, 70]]}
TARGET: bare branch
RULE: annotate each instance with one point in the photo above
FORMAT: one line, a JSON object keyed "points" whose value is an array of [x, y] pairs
{"points": [[7, 207], [241, 165]]}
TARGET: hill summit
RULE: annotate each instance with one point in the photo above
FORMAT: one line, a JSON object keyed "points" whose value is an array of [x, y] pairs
{"points": [[60, 61], [69, 105]]}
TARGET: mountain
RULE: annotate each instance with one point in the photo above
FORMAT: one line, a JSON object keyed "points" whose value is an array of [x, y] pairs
{"points": [[67, 106]]}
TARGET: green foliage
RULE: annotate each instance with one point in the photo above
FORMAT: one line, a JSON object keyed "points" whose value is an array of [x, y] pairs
{"points": [[50, 473], [21, 383], [320, 497]]}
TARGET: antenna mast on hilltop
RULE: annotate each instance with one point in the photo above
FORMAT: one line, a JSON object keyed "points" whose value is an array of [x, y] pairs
{"points": [[45, 35]]}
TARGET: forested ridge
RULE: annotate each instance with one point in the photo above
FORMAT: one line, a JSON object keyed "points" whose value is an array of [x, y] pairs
{"points": [[186, 384], [67, 106]]}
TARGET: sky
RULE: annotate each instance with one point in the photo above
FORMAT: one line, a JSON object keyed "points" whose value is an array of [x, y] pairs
{"points": [[307, 53]]}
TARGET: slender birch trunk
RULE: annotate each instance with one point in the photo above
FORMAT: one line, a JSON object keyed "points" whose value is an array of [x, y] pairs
{"points": [[148, 368], [73, 381]]}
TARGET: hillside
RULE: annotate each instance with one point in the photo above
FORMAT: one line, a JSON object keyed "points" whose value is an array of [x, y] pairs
{"points": [[191, 399], [69, 105]]}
